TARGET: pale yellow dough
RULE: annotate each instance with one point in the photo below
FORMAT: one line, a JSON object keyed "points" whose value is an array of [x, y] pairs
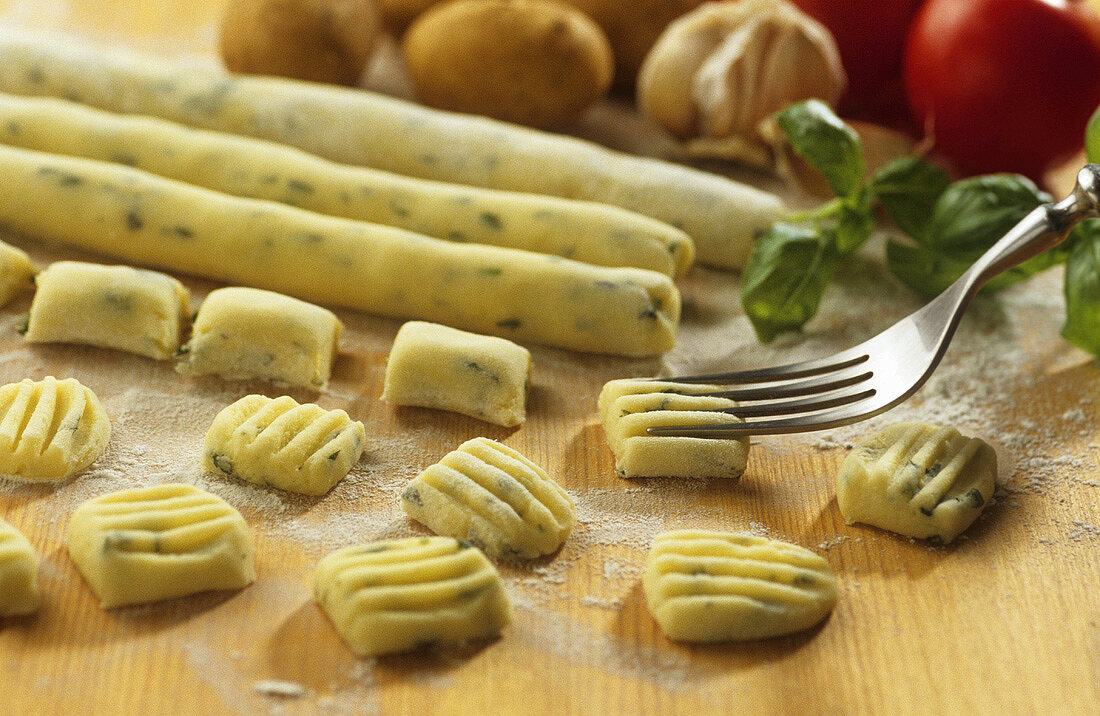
{"points": [[404, 594], [17, 272], [278, 442], [19, 593], [494, 498], [50, 429], [704, 586], [918, 480], [434, 366], [242, 333], [120, 307], [629, 406], [157, 542]]}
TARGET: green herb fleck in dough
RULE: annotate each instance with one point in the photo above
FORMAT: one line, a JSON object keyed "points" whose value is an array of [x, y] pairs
{"points": [[334, 455], [606, 285], [63, 178], [127, 159], [456, 236], [223, 463], [491, 220], [119, 301], [13, 128], [134, 221], [490, 271], [398, 210], [299, 186], [35, 75], [411, 494], [974, 497], [511, 323], [24, 325]]}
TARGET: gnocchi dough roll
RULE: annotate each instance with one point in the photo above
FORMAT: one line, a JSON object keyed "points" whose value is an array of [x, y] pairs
{"points": [[17, 272], [278, 442], [120, 307], [434, 366], [414, 593], [704, 586], [243, 333], [917, 479], [493, 497], [19, 593], [356, 127], [50, 429], [585, 231], [157, 542], [629, 406], [145, 219]]}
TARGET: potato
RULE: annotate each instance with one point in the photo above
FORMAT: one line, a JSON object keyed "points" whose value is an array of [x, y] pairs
{"points": [[319, 40], [399, 14], [534, 62], [632, 27]]}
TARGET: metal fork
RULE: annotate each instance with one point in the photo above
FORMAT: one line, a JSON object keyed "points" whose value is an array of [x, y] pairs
{"points": [[880, 373]]}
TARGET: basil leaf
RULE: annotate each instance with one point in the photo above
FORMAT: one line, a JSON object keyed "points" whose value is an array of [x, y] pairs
{"points": [[923, 269], [854, 223], [1082, 288], [826, 143], [930, 272], [972, 214], [785, 277], [908, 188]]}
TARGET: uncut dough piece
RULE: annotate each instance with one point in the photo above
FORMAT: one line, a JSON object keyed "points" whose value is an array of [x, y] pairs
{"points": [[50, 429], [19, 592], [352, 126], [581, 230], [243, 333], [434, 366], [119, 307], [148, 220], [628, 406], [157, 542], [17, 272], [704, 586], [491, 496], [278, 442], [413, 593], [917, 479]]}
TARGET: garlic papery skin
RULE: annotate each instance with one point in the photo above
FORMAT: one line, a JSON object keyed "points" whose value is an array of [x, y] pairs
{"points": [[719, 72]]}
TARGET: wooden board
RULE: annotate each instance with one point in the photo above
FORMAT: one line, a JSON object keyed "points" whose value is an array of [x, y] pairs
{"points": [[1005, 619]]}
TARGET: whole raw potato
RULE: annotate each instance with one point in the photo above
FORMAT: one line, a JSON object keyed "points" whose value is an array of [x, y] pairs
{"points": [[632, 27], [534, 62], [319, 40]]}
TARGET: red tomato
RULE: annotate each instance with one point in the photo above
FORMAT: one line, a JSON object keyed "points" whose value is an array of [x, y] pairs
{"points": [[1004, 85], [871, 37]]}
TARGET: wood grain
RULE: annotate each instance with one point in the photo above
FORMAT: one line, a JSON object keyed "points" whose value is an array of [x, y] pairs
{"points": [[1006, 619]]}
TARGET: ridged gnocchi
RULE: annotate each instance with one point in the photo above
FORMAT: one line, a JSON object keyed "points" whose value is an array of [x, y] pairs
{"points": [[494, 498], [404, 594], [629, 406], [435, 366], [704, 586], [159, 541], [284, 444], [242, 333], [17, 272], [19, 593], [50, 429], [119, 307], [918, 480]]}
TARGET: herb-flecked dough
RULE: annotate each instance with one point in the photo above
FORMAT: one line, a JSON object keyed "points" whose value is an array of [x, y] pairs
{"points": [[534, 62]]}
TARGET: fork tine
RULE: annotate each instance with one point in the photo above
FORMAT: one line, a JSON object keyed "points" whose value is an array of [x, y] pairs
{"points": [[810, 386], [835, 417], [802, 369], [800, 405]]}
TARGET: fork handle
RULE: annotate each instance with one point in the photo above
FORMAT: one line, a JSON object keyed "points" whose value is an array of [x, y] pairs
{"points": [[1042, 229]]}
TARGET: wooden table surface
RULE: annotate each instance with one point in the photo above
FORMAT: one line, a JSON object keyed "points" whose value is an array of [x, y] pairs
{"points": [[1004, 620]]}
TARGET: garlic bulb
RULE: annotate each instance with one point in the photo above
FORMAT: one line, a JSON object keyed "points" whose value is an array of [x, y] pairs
{"points": [[719, 72]]}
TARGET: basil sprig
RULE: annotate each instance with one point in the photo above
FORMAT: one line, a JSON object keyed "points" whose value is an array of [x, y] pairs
{"points": [[945, 226]]}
